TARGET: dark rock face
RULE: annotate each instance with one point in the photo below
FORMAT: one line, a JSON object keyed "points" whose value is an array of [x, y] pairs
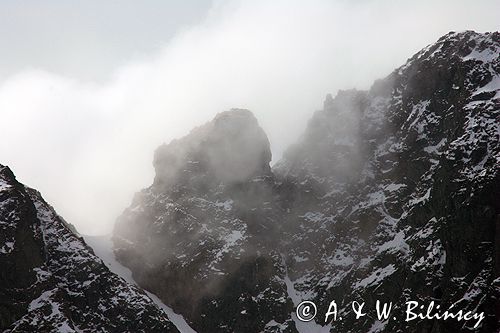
{"points": [[51, 281], [417, 218], [391, 194], [201, 237]]}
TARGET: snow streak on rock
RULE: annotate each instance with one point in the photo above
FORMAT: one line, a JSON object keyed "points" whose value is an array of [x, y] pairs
{"points": [[103, 248]]}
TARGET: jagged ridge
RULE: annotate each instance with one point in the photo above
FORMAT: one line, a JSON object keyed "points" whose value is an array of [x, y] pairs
{"points": [[391, 193], [52, 281]]}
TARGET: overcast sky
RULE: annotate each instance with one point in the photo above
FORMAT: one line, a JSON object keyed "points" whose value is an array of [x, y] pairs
{"points": [[88, 89], [89, 39]]}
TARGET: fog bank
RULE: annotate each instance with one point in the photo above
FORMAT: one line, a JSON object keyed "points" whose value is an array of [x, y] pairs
{"points": [[88, 146]]}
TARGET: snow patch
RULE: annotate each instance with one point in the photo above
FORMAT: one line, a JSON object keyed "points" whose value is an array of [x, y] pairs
{"points": [[103, 248], [302, 327], [226, 205], [376, 277], [7, 247]]}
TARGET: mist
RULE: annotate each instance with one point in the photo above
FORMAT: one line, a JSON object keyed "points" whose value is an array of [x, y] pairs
{"points": [[88, 145]]}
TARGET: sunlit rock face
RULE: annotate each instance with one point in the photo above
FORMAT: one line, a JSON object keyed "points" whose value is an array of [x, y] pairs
{"points": [[51, 281], [390, 194]]}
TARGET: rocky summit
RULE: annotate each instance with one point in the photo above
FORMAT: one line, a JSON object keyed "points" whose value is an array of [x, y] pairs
{"points": [[391, 194], [203, 236]]}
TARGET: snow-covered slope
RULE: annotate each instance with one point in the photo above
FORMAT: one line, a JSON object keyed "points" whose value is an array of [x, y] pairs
{"points": [[51, 281], [103, 248], [391, 193]]}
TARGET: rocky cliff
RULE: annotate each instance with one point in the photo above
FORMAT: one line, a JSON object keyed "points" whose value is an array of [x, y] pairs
{"points": [[406, 204], [51, 281], [202, 237], [390, 194]]}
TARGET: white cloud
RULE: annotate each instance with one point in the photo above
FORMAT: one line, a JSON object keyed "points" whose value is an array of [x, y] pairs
{"points": [[88, 146]]}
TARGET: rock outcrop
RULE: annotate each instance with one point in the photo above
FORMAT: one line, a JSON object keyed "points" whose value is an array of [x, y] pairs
{"points": [[202, 237], [415, 214], [391, 194], [51, 281]]}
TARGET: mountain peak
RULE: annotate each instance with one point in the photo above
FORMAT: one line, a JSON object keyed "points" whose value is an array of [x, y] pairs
{"points": [[461, 47], [230, 148]]}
